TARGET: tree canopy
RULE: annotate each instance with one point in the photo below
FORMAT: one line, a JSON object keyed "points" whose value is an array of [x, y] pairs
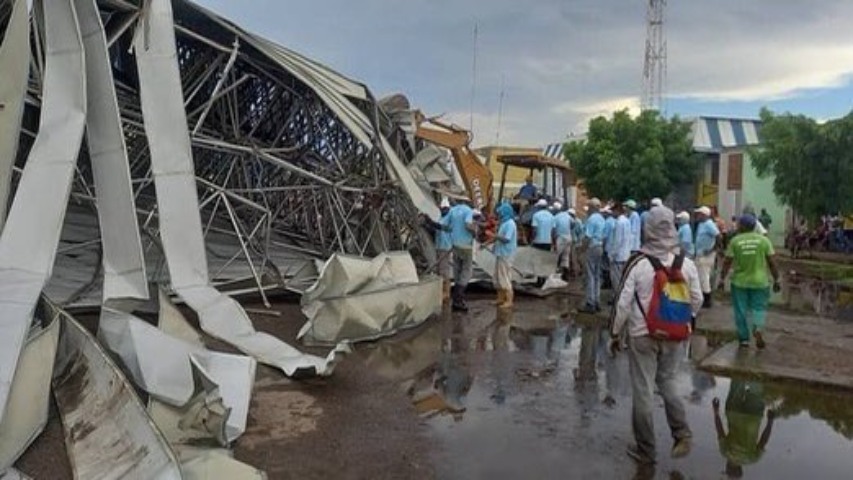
{"points": [[634, 157], [811, 163]]}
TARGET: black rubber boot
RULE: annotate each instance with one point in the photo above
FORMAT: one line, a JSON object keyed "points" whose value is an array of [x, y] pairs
{"points": [[706, 300], [459, 299]]}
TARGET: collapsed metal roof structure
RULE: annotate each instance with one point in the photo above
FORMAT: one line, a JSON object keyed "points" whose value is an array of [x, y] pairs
{"points": [[154, 142], [291, 158]]}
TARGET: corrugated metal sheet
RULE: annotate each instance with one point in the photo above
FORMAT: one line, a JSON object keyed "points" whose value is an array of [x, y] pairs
{"points": [[713, 134]]}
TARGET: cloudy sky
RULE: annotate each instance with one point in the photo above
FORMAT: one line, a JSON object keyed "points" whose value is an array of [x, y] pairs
{"points": [[562, 62]]}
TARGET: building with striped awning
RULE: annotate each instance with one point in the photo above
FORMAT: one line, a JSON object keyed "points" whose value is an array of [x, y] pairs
{"points": [[727, 179], [714, 135]]}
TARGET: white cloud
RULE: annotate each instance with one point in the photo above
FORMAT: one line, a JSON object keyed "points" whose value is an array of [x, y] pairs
{"points": [[564, 62]]}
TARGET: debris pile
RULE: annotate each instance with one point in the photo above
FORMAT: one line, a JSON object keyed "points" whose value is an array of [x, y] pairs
{"points": [[152, 142]]}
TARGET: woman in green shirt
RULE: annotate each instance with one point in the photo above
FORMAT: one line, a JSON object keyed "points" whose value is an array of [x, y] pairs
{"points": [[751, 254]]}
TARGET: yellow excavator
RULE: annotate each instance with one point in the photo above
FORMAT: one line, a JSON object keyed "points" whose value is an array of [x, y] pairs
{"points": [[476, 176]]}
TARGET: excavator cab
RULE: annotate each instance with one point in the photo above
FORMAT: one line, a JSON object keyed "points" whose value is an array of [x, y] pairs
{"points": [[557, 176]]}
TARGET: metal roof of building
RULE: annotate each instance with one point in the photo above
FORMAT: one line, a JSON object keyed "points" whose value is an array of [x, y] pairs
{"points": [[715, 134]]}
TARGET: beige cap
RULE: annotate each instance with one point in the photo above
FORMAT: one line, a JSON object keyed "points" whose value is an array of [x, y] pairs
{"points": [[703, 210]]}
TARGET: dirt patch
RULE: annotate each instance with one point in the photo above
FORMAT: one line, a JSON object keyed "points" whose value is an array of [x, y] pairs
{"points": [[277, 415]]}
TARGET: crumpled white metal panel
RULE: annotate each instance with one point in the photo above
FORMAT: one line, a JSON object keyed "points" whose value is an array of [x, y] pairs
{"points": [[528, 263], [15, 65], [123, 261], [358, 299], [29, 239], [180, 224], [215, 464], [108, 433], [13, 474], [29, 397], [161, 361]]}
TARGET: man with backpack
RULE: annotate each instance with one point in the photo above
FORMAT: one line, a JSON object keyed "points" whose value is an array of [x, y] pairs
{"points": [[658, 296]]}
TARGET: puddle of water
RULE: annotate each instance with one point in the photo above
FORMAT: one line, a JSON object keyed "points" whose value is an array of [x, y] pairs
{"points": [[804, 292], [533, 395]]}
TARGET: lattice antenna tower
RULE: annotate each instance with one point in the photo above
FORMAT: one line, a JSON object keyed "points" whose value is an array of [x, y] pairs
{"points": [[654, 67]]}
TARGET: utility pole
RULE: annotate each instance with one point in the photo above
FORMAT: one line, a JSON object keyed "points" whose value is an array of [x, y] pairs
{"points": [[473, 80], [654, 66], [500, 110]]}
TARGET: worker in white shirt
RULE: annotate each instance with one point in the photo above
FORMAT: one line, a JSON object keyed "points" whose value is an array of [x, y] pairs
{"points": [[653, 361]]}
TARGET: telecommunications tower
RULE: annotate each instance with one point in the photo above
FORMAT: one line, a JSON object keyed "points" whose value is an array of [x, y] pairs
{"points": [[654, 67]]}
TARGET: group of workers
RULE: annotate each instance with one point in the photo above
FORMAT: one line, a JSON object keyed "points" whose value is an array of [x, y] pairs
{"points": [[553, 228], [636, 246], [455, 235]]}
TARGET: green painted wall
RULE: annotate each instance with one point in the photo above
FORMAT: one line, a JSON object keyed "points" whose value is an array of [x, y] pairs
{"points": [[759, 193]]}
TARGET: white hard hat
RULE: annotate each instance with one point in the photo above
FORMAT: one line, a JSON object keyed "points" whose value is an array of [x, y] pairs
{"points": [[445, 203], [703, 210], [656, 202], [572, 211], [682, 215], [542, 203], [557, 205]]}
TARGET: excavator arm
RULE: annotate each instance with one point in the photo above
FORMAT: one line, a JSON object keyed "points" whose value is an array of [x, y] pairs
{"points": [[476, 176]]}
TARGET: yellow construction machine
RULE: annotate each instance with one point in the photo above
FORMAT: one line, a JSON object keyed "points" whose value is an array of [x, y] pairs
{"points": [[476, 176]]}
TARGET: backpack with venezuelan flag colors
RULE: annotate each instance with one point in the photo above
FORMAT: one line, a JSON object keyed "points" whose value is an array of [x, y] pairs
{"points": [[669, 313]]}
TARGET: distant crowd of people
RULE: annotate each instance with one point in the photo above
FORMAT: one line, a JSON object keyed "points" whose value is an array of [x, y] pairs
{"points": [[833, 233]]}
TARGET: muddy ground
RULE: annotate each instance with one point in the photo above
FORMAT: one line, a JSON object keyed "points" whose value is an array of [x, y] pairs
{"points": [[521, 394]]}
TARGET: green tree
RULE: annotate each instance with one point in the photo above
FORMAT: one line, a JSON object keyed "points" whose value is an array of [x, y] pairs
{"points": [[811, 163], [640, 157]]}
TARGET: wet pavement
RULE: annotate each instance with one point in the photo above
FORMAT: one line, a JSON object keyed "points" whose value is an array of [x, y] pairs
{"points": [[532, 394], [527, 393]]}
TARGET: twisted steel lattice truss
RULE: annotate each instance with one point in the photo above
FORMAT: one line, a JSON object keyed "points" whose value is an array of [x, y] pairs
{"points": [[293, 161]]}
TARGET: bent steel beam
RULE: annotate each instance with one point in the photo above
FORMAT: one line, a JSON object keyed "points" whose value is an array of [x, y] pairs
{"points": [[177, 203], [29, 240]]}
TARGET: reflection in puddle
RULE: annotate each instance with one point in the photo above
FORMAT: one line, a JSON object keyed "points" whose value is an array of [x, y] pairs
{"points": [[828, 294], [497, 385], [743, 442]]}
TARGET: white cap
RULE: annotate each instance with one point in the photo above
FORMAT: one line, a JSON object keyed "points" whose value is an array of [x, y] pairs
{"points": [[682, 215], [572, 212], [445, 203], [557, 205], [542, 203], [703, 210], [656, 202]]}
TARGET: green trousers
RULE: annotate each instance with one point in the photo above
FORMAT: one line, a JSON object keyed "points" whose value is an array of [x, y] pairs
{"points": [[749, 302]]}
